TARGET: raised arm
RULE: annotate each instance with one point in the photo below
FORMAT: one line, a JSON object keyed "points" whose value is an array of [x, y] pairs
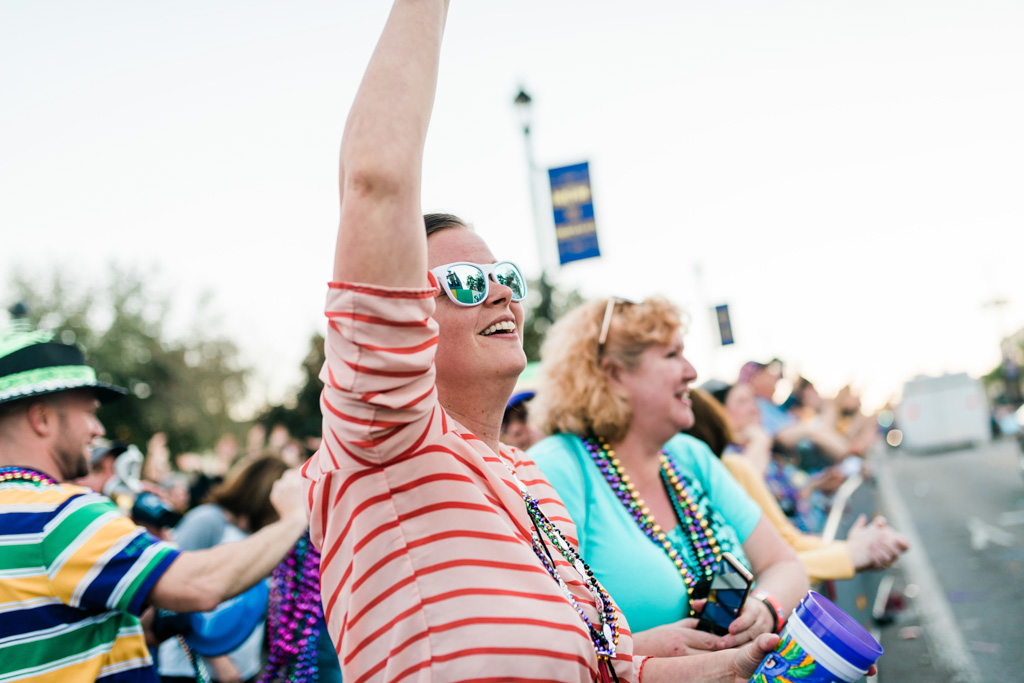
{"points": [[380, 237]]}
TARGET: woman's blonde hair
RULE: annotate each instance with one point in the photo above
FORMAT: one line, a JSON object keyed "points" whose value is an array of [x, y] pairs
{"points": [[574, 395]]}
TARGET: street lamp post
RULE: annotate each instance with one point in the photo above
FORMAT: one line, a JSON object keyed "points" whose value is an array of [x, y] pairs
{"points": [[524, 104]]}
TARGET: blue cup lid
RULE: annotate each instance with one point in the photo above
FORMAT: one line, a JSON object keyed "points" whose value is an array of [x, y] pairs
{"points": [[838, 631]]}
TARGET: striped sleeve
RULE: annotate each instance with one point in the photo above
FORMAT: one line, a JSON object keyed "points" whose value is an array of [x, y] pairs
{"points": [[98, 559], [379, 402], [379, 394]]}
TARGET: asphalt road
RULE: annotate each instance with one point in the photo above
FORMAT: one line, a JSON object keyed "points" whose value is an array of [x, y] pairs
{"points": [[963, 581]]}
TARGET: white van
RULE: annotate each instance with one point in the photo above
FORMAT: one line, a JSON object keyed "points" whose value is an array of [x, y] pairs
{"points": [[938, 413]]}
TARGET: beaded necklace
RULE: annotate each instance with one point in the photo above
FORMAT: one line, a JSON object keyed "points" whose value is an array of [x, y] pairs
{"points": [[695, 527], [294, 616], [25, 474], [605, 639]]}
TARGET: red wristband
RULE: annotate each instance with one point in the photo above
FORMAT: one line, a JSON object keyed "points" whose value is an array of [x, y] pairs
{"points": [[778, 618]]}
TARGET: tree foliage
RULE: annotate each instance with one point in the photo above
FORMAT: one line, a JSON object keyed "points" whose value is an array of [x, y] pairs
{"points": [[185, 387], [301, 415], [550, 305]]}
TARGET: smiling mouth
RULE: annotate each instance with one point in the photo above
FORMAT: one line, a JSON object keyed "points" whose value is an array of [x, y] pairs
{"points": [[498, 328]]}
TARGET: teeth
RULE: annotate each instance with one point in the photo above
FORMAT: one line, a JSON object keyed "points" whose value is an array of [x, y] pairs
{"points": [[505, 326]]}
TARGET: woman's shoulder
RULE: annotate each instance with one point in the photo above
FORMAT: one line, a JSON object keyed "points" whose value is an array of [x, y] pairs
{"points": [[560, 456], [206, 518], [684, 446], [206, 511], [201, 527], [696, 457], [555, 446]]}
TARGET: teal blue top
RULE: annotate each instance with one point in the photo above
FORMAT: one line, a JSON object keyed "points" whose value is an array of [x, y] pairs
{"points": [[637, 573]]}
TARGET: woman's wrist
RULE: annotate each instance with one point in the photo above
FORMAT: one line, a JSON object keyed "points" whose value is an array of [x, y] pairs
{"points": [[774, 608]]}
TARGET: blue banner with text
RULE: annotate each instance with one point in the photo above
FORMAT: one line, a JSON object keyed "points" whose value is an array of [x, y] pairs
{"points": [[724, 324], [573, 208]]}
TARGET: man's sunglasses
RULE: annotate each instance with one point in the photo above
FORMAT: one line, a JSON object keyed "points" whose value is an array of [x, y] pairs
{"points": [[467, 284]]}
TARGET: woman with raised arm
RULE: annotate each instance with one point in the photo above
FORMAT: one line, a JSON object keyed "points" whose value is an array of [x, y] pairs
{"points": [[440, 560]]}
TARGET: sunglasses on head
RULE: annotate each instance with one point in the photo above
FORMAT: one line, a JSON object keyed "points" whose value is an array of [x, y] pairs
{"points": [[467, 284], [606, 323]]}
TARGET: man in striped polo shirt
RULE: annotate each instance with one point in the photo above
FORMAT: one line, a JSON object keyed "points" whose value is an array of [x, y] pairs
{"points": [[75, 574]]}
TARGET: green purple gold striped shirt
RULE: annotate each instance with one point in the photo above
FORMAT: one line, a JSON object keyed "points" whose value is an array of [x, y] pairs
{"points": [[74, 576]]}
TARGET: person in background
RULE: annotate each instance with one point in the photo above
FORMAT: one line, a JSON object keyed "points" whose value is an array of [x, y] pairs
{"points": [[818, 445], [48, 403], [842, 414], [156, 467], [859, 428], [177, 489], [237, 508], [647, 501], [516, 428], [805, 498], [143, 501], [868, 546], [102, 467]]}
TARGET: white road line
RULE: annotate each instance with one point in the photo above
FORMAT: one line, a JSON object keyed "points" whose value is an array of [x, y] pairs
{"points": [[1011, 518], [982, 534], [947, 643]]}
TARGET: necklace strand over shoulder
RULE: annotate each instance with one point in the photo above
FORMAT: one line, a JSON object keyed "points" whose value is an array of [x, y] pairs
{"points": [[25, 474], [695, 527], [606, 636]]}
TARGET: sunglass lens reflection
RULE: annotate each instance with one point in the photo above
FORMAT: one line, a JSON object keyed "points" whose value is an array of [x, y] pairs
{"points": [[467, 283], [508, 275]]}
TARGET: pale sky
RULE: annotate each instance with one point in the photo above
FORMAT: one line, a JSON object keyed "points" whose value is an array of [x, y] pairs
{"points": [[846, 175]]}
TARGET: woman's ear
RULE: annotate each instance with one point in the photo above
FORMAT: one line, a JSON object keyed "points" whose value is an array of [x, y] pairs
{"points": [[611, 370]]}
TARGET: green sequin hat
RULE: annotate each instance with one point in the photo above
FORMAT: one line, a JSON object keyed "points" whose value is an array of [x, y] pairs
{"points": [[32, 364]]}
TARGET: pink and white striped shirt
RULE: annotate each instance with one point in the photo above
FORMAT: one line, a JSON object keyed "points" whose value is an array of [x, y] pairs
{"points": [[428, 573]]}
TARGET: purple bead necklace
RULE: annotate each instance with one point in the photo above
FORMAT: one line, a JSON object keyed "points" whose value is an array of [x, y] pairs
{"points": [[25, 474], [604, 638], [294, 616], [696, 529]]}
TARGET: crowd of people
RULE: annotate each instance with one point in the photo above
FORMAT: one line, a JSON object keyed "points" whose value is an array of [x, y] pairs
{"points": [[446, 527], [103, 565], [792, 480]]}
